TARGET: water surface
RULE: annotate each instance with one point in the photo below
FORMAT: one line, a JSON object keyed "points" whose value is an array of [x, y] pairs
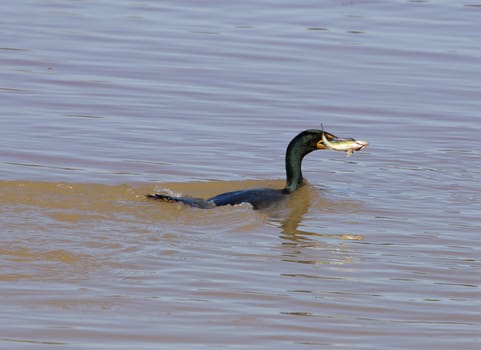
{"points": [[103, 102]]}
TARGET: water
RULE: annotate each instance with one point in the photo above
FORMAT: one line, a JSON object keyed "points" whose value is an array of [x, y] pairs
{"points": [[103, 102]]}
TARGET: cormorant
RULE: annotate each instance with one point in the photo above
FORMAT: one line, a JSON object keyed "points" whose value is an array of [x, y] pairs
{"points": [[301, 145]]}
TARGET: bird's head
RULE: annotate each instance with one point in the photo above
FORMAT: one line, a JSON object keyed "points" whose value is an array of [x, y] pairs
{"points": [[311, 140]]}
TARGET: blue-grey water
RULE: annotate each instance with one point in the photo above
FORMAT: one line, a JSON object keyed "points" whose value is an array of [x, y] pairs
{"points": [[104, 101]]}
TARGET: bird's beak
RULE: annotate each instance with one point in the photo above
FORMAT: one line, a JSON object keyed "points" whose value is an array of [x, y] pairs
{"points": [[320, 144]]}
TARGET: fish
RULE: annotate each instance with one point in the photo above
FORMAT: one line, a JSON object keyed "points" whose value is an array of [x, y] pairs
{"points": [[348, 145]]}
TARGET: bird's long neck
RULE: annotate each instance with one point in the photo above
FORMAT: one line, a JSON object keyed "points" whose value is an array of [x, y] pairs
{"points": [[294, 157]]}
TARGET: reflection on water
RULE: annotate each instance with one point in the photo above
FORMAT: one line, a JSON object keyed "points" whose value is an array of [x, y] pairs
{"points": [[293, 211]]}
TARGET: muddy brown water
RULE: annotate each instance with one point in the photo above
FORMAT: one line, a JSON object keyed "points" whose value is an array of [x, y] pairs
{"points": [[103, 102]]}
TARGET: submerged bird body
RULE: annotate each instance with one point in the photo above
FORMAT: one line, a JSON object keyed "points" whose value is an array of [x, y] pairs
{"points": [[257, 197], [301, 145]]}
